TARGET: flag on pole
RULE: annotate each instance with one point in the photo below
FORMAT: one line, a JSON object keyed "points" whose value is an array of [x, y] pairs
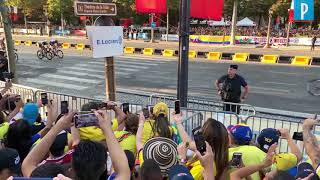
{"points": [[151, 6], [291, 12], [207, 9]]}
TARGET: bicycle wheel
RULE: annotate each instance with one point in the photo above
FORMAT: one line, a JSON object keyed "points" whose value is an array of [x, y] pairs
{"points": [[49, 55], [313, 87], [16, 56], [59, 54], [40, 54]]}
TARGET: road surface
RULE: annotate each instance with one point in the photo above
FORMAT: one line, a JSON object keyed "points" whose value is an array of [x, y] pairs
{"points": [[272, 86]]}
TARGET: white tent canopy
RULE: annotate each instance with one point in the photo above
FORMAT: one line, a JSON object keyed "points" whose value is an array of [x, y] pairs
{"points": [[246, 22]]}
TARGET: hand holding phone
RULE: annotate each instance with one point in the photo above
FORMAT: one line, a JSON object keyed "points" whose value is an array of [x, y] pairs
{"points": [[298, 136], [110, 105], [64, 107], [85, 120], [125, 108], [199, 140], [177, 107], [44, 99], [236, 160]]}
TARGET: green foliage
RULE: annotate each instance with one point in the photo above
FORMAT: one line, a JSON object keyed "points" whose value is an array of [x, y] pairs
{"points": [[55, 7]]}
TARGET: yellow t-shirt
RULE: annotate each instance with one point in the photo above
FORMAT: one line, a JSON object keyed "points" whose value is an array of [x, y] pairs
{"points": [[251, 155], [196, 170], [4, 129], [127, 141], [95, 133], [148, 131]]}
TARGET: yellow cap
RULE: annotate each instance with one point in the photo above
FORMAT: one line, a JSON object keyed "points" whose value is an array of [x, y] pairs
{"points": [[161, 108], [285, 161]]}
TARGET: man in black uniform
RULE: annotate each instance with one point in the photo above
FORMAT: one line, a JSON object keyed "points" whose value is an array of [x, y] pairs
{"points": [[229, 88]]}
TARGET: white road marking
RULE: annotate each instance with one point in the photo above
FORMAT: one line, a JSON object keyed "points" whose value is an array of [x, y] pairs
{"points": [[56, 84], [82, 80]]}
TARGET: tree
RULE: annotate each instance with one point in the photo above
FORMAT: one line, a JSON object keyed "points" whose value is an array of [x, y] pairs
{"points": [[31, 8], [55, 7]]}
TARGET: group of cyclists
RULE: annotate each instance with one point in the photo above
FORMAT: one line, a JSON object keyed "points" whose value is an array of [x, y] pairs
{"points": [[49, 50]]}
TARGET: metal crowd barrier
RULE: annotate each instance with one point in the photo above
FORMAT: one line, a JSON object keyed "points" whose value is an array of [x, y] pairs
{"points": [[204, 104], [25, 92]]}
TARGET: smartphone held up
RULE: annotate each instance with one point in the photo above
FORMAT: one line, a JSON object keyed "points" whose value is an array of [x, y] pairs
{"points": [[85, 120]]}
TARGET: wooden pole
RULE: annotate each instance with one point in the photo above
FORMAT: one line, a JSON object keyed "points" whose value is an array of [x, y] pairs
{"points": [[110, 79]]}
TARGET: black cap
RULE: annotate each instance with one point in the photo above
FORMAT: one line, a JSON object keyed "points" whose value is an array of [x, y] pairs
{"points": [[305, 169], [234, 66], [10, 159]]}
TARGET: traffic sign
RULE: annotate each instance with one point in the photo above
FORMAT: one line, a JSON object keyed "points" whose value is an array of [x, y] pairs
{"points": [[95, 9], [303, 10]]}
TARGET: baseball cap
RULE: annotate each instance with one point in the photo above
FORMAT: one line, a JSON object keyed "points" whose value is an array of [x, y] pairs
{"points": [[305, 169], [234, 66], [179, 172], [10, 159], [30, 113], [267, 137], [285, 161], [163, 151], [161, 108], [242, 134], [60, 142]]}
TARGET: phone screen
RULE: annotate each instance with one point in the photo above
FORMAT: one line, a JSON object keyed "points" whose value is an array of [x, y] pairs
{"points": [[199, 140], [85, 120], [297, 136], [64, 107], [44, 98], [146, 113], [236, 160], [177, 107], [125, 108]]}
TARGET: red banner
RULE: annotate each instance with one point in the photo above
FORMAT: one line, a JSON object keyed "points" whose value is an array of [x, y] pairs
{"points": [[151, 6], [207, 9]]}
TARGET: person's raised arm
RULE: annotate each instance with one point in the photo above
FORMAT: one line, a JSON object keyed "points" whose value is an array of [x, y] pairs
{"points": [[50, 121], [120, 115], [38, 153], [19, 105], [248, 170], [207, 161], [311, 142], [119, 159], [7, 86], [184, 135], [139, 144], [292, 145], [75, 136]]}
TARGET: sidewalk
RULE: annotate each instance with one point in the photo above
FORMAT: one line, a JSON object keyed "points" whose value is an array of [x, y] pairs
{"points": [[252, 49]]}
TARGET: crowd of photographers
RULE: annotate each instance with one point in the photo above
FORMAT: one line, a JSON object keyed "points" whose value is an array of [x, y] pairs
{"points": [[87, 144]]}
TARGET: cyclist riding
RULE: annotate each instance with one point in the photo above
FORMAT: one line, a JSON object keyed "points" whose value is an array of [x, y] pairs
{"points": [[54, 44]]}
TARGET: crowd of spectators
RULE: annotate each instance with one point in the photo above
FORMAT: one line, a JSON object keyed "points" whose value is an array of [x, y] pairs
{"points": [[144, 146], [249, 31]]}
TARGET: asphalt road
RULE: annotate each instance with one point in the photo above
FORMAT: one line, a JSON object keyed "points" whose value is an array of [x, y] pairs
{"points": [[272, 86]]}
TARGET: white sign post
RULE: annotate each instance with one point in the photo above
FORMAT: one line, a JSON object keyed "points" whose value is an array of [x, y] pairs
{"points": [[106, 42]]}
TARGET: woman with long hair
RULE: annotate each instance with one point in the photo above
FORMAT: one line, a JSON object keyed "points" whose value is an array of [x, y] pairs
{"points": [[216, 134]]}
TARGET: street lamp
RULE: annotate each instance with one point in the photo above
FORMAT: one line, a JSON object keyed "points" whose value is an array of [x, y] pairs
{"points": [[269, 29]]}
